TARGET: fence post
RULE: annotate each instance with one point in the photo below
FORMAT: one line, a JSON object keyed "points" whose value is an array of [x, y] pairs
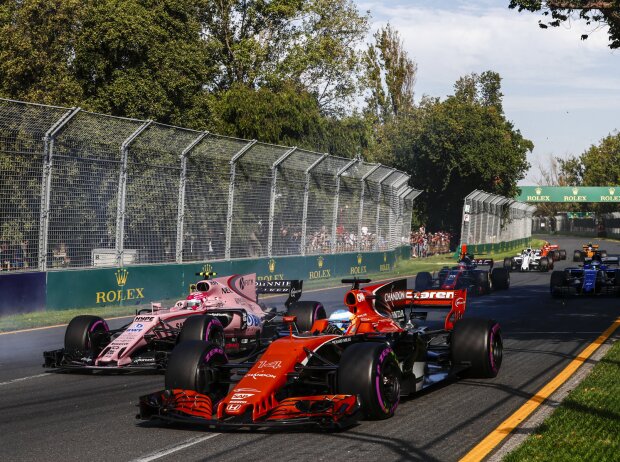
{"points": [[304, 217], [336, 201], [122, 191], [394, 209], [181, 202], [46, 183], [379, 198], [272, 199], [361, 211], [231, 195]]}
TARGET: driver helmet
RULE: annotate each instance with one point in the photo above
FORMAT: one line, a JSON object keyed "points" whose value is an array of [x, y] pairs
{"points": [[341, 319]]}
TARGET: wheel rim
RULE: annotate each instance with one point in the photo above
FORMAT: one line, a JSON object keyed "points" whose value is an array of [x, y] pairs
{"points": [[496, 352], [388, 387]]}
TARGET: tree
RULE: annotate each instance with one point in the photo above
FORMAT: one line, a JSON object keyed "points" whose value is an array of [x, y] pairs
{"points": [[135, 58], [601, 13], [454, 146], [389, 75], [311, 43]]}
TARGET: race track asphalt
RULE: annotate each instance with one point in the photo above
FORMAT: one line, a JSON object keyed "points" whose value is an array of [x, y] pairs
{"points": [[67, 417]]}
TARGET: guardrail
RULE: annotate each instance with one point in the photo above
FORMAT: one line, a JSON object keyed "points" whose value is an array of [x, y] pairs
{"points": [[81, 190]]}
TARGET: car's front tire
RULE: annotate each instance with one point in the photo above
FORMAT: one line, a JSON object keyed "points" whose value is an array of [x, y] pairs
{"points": [[204, 328], [370, 370], [193, 366], [306, 313], [86, 333]]}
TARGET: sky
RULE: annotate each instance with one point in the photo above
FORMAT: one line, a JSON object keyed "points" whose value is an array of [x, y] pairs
{"points": [[559, 91]]}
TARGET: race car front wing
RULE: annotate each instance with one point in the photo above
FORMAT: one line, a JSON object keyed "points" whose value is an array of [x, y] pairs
{"points": [[324, 412]]}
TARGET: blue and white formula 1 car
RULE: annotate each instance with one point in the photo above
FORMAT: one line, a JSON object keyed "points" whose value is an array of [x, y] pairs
{"points": [[594, 278]]}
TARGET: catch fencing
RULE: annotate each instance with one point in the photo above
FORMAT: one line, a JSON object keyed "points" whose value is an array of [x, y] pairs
{"points": [[80, 189], [492, 219]]}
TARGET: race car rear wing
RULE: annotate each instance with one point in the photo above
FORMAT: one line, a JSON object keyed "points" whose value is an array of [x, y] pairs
{"points": [[447, 306], [292, 287]]}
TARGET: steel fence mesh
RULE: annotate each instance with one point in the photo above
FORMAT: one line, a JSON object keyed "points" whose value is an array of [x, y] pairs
{"points": [[289, 202], [152, 193], [251, 201], [79, 189], [22, 150], [84, 189], [490, 219], [321, 200], [206, 198]]}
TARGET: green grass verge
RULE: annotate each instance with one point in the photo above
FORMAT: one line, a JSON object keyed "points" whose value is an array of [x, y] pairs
{"points": [[52, 318], [586, 426]]}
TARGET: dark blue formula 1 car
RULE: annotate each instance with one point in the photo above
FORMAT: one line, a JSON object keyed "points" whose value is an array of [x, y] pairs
{"points": [[593, 278]]}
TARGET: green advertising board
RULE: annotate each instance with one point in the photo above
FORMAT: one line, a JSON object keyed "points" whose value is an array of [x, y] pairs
{"points": [[136, 285], [570, 194]]}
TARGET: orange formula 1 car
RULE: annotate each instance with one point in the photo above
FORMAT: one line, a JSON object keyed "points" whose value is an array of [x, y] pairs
{"points": [[587, 252], [394, 343], [553, 251]]}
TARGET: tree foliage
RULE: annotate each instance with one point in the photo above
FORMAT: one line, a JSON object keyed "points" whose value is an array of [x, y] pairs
{"points": [[389, 75], [557, 12], [454, 146]]}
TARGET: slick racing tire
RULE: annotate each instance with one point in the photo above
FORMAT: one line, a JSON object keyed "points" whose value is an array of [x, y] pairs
{"points": [[578, 256], [500, 278], [557, 281], [204, 328], [306, 312], [508, 263], [193, 366], [423, 281], [370, 370], [543, 264], [477, 343], [483, 282], [562, 253], [87, 333], [555, 255]]}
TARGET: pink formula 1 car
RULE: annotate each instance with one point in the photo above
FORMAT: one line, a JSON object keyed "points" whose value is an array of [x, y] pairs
{"points": [[224, 311]]}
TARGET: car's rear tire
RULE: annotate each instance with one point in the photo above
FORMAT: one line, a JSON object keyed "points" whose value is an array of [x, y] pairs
{"points": [[423, 281], [578, 256], [203, 328], [558, 278], [543, 264], [192, 367], [478, 343], [500, 278], [562, 253], [370, 370], [86, 333], [508, 263], [483, 282], [306, 312]]}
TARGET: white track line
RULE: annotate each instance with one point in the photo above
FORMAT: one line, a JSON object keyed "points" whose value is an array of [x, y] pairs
{"points": [[175, 448], [21, 379]]}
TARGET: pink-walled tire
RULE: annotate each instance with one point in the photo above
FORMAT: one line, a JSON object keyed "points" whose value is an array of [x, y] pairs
{"points": [[204, 328], [370, 370], [86, 333], [306, 313], [193, 366], [477, 343]]}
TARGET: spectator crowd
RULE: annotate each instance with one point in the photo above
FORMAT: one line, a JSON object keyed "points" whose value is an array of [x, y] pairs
{"points": [[424, 244]]}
